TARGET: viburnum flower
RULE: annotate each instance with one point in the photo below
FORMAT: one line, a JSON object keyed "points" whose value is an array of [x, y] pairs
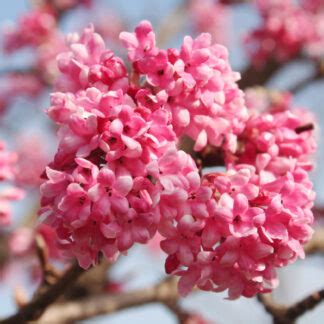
{"points": [[260, 100], [285, 29], [99, 194], [89, 63], [32, 29], [8, 193], [277, 142], [14, 84], [253, 227], [202, 94], [32, 158], [119, 176]]}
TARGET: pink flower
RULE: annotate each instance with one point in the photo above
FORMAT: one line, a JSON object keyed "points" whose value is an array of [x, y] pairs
{"points": [[100, 195], [21, 241], [109, 25], [33, 28], [140, 44], [285, 29], [14, 84], [202, 95], [89, 63], [6, 197], [277, 142], [9, 193], [118, 176], [7, 163], [252, 227], [31, 160]]}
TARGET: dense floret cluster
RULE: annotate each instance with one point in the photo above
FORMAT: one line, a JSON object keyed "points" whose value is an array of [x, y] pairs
{"points": [[288, 29], [119, 175]]}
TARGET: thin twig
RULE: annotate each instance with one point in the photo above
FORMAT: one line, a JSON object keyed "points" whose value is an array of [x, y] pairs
{"points": [[252, 76], [283, 314], [41, 301], [163, 292], [50, 274], [316, 244]]}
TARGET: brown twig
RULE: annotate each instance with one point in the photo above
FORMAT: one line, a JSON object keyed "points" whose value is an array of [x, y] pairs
{"points": [[50, 274], [283, 314], [181, 314], [164, 292], [41, 301], [252, 76], [317, 75], [316, 244]]}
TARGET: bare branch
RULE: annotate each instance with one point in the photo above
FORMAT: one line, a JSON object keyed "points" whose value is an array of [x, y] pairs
{"points": [[41, 301], [316, 244], [288, 314], [252, 76], [164, 292], [50, 274]]}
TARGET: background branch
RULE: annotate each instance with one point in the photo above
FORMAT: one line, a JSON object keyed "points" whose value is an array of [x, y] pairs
{"points": [[288, 314], [43, 299], [252, 76], [164, 292], [316, 244]]}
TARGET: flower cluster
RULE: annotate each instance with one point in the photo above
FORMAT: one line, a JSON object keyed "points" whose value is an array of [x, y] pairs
{"points": [[31, 30], [26, 85], [119, 176], [7, 193], [89, 63], [254, 225], [32, 158], [36, 30], [22, 242], [288, 28], [253, 218], [195, 84]]}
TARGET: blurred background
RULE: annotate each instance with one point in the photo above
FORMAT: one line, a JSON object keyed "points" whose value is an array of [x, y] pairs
{"points": [[25, 128]]}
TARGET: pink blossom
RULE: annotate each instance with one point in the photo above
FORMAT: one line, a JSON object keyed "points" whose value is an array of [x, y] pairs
{"points": [[202, 95], [109, 25], [21, 241], [7, 163], [8, 195], [46, 54], [32, 29], [89, 63], [31, 160], [234, 251], [140, 44], [14, 84], [277, 143], [99, 195], [118, 176], [284, 30]]}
